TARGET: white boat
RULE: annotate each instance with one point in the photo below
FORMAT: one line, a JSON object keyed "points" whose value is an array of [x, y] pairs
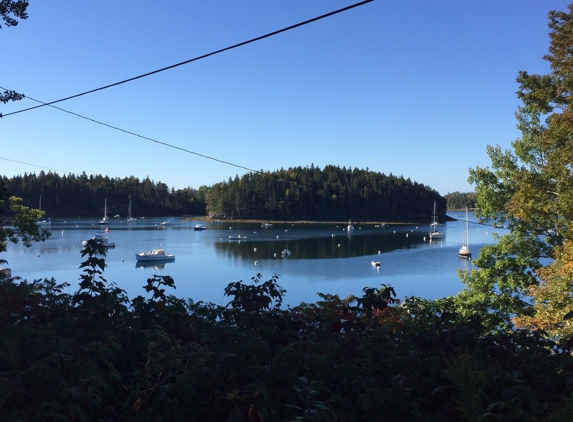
{"points": [[167, 223], [199, 227], [105, 219], [465, 251], [43, 221], [266, 225], [285, 253], [100, 236], [129, 217], [435, 233], [350, 226], [376, 264], [239, 237], [154, 255]]}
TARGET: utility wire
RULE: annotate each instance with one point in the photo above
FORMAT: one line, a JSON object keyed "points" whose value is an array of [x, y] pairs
{"points": [[33, 165], [422, 213], [270, 34]]}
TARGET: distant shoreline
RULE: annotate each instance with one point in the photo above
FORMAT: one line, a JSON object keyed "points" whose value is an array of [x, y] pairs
{"points": [[259, 221]]}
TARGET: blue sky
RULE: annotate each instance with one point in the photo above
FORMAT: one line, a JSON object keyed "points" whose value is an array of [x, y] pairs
{"points": [[412, 88]]}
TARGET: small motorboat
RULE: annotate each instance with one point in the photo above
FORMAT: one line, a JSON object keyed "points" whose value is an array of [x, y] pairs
{"points": [[199, 227], [100, 236], [167, 223], [376, 264], [285, 253], [154, 255]]}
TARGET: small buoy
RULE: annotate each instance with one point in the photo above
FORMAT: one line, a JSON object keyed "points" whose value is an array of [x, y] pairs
{"points": [[339, 245], [63, 232], [378, 252], [38, 255], [406, 234], [122, 260], [255, 262], [255, 249], [424, 238], [394, 231], [275, 255], [277, 236]]}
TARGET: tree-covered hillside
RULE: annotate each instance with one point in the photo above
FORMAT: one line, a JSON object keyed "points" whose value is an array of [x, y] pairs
{"points": [[85, 195], [460, 201], [332, 193]]}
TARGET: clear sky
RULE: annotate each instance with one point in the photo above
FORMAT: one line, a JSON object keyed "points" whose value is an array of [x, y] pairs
{"points": [[412, 88]]}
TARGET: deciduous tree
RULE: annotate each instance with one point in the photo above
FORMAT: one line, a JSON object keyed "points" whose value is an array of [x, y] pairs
{"points": [[529, 188]]}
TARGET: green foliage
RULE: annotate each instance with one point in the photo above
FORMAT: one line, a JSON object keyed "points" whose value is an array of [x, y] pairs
{"points": [[460, 201], [22, 225], [11, 10], [96, 355], [332, 193], [529, 189], [84, 195]]}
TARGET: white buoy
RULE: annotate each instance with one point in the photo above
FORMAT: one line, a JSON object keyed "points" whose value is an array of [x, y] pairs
{"points": [[378, 252], [255, 249], [277, 236], [255, 262], [407, 234], [424, 238], [275, 255], [339, 245]]}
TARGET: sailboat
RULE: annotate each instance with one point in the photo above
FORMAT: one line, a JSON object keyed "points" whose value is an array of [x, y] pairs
{"points": [[129, 217], [465, 251], [44, 221], [435, 233], [105, 219]]}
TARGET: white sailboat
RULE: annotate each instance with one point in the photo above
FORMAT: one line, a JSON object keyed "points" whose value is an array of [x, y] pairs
{"points": [[44, 221], [350, 226], [465, 251], [435, 233], [105, 219], [129, 217]]}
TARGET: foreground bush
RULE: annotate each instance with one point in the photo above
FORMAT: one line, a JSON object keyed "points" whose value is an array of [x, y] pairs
{"points": [[96, 355]]}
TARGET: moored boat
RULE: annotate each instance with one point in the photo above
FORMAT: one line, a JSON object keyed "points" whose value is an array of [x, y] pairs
{"points": [[465, 251], [100, 236], [154, 255], [199, 227]]}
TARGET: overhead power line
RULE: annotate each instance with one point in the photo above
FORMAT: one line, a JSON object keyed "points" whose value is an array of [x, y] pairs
{"points": [[252, 40]]}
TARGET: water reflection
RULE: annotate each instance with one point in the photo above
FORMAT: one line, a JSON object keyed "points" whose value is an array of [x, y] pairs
{"points": [[157, 265], [331, 247]]}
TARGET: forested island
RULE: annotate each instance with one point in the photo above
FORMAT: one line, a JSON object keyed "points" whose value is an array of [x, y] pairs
{"points": [[300, 193]]}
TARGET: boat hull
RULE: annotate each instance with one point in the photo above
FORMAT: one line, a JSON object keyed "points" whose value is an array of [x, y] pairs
{"points": [[149, 258]]}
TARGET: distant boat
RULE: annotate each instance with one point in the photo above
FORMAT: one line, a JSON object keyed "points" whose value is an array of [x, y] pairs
{"points": [[285, 253], [105, 219], [167, 223], [266, 225], [100, 236], [199, 227], [465, 251], [154, 255], [435, 234], [129, 217], [43, 221], [350, 226], [376, 264], [239, 237]]}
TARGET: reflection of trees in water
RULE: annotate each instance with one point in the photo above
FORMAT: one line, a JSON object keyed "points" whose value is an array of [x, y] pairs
{"points": [[320, 248]]}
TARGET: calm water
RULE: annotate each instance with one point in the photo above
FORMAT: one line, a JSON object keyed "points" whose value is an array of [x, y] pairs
{"points": [[324, 257]]}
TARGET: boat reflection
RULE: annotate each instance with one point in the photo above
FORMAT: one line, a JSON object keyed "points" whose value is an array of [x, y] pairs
{"points": [[156, 265]]}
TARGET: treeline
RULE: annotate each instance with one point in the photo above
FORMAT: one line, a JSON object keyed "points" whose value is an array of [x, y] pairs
{"points": [[85, 195], [332, 193], [461, 201]]}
